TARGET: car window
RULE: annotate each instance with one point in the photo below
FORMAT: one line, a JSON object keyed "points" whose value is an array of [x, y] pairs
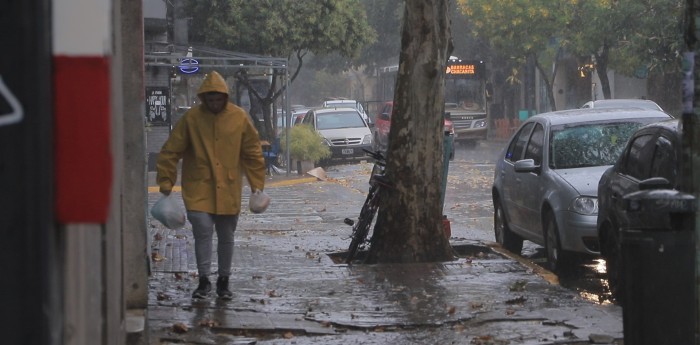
{"points": [[637, 162], [534, 146], [664, 161], [588, 144], [516, 147], [339, 120]]}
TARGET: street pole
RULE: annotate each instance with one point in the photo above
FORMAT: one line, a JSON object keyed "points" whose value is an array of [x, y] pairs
{"points": [[691, 126]]}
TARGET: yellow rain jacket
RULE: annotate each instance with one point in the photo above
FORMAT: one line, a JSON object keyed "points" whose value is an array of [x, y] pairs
{"points": [[216, 150]]}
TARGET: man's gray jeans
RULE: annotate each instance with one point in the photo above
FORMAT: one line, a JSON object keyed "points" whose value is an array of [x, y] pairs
{"points": [[203, 226]]}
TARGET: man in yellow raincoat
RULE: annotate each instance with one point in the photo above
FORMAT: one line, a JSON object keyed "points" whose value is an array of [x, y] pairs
{"points": [[218, 143]]}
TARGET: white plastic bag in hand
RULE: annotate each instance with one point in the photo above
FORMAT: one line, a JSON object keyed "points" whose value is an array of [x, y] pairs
{"points": [[259, 201], [168, 212]]}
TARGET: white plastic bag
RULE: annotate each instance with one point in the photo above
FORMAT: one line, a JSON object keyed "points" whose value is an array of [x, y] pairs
{"points": [[259, 201], [167, 211]]}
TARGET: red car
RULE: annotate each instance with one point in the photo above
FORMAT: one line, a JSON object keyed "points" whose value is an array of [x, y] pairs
{"points": [[382, 124]]}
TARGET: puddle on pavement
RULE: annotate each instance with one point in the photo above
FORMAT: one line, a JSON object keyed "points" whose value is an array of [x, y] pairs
{"points": [[466, 251], [588, 278]]}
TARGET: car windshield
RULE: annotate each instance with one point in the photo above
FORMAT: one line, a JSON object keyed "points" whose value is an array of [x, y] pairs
{"points": [[588, 144], [347, 119]]}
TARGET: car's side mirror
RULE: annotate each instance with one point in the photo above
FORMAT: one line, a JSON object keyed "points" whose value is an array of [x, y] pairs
{"points": [[654, 183], [526, 166]]}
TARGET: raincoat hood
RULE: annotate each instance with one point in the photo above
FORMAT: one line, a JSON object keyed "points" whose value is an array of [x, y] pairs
{"points": [[213, 82]]}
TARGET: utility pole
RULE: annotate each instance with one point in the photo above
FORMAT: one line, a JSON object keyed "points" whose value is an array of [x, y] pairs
{"points": [[691, 126]]}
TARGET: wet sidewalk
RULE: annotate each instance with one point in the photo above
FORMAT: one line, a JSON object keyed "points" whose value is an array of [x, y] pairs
{"points": [[288, 289]]}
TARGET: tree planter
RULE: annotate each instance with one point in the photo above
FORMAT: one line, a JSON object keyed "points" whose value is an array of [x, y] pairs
{"points": [[304, 166], [306, 147]]}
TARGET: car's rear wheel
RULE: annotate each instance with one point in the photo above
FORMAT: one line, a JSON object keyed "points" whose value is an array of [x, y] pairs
{"points": [[558, 260], [613, 263], [504, 236]]}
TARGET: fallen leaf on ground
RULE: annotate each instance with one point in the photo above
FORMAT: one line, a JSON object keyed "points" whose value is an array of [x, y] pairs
{"points": [[155, 256], [208, 323], [180, 328]]}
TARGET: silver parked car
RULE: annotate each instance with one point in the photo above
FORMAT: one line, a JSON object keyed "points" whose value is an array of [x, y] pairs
{"points": [[546, 179]]}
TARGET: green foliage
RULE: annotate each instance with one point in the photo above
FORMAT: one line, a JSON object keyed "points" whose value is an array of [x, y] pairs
{"points": [[281, 28], [305, 144], [622, 34]]}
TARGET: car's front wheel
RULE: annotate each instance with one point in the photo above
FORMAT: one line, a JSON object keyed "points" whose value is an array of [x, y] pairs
{"points": [[558, 260], [504, 236]]}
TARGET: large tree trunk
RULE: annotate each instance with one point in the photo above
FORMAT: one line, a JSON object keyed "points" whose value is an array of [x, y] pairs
{"points": [[409, 223]]}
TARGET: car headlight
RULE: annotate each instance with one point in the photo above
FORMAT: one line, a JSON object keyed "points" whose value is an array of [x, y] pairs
{"points": [[585, 205], [367, 140], [327, 142], [480, 124]]}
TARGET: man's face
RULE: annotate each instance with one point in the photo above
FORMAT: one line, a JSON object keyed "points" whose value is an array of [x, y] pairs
{"points": [[215, 101]]}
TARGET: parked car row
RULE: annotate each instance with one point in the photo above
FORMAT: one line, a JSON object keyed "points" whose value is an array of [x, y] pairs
{"points": [[546, 180]]}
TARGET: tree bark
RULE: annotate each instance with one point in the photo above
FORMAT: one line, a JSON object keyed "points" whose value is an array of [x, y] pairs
{"points": [[409, 223]]}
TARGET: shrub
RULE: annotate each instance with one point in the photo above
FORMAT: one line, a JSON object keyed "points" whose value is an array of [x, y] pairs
{"points": [[305, 144]]}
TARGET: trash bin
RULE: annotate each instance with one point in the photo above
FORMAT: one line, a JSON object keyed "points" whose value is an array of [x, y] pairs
{"points": [[658, 264]]}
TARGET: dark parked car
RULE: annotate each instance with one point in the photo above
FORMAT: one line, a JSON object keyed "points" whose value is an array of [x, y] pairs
{"points": [[651, 160], [546, 179]]}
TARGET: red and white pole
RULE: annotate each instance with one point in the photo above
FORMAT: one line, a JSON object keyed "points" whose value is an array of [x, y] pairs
{"points": [[82, 47]]}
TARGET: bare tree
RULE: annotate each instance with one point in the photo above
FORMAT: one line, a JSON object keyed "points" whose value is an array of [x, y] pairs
{"points": [[409, 223]]}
